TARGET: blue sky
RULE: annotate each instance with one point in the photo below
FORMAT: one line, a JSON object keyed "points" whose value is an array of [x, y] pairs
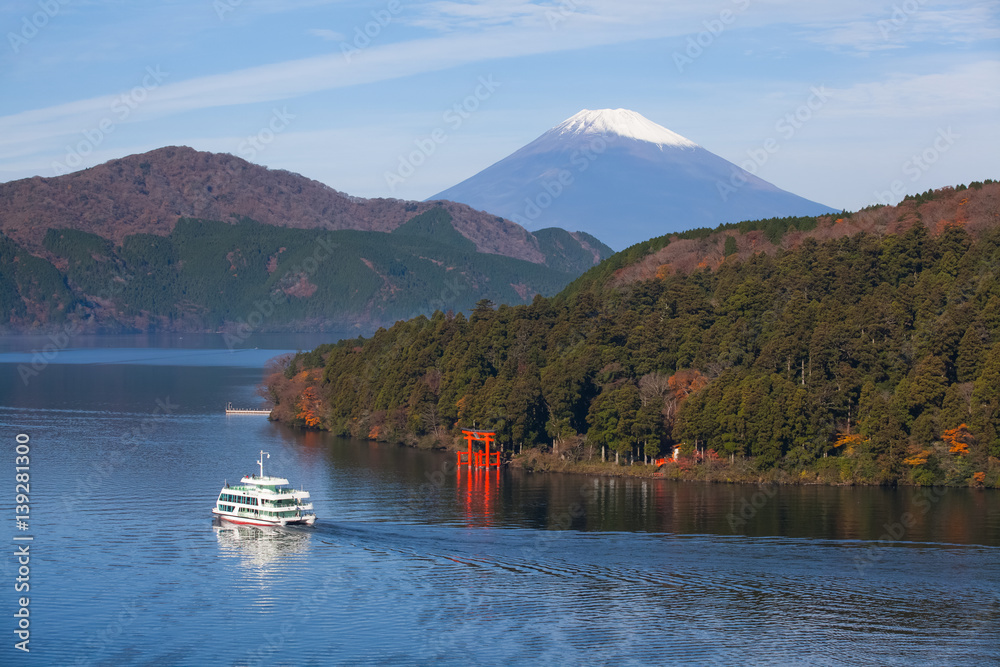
{"points": [[851, 99]]}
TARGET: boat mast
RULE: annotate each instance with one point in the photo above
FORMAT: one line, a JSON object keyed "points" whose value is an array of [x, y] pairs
{"points": [[261, 461]]}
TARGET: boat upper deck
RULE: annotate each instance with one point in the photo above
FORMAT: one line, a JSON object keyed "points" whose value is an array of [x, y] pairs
{"points": [[266, 487], [257, 480]]}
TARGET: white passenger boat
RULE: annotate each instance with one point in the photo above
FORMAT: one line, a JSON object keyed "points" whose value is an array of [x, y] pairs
{"points": [[259, 500]]}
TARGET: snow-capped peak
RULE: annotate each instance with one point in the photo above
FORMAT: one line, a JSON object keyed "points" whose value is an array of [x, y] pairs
{"points": [[621, 122]]}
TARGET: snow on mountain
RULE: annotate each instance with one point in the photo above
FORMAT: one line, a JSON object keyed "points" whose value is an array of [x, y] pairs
{"points": [[620, 122], [623, 178]]}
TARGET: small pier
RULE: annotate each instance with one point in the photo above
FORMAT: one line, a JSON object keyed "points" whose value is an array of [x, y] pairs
{"points": [[230, 410]]}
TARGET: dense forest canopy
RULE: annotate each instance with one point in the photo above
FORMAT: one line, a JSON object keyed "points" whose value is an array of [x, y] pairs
{"points": [[246, 276], [869, 357]]}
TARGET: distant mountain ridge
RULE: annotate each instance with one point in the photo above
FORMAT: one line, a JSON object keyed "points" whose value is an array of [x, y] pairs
{"points": [[181, 240], [148, 193], [623, 178]]}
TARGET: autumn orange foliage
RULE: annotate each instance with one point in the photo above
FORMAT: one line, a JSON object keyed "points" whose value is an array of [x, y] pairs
{"points": [[917, 459], [979, 478], [686, 382], [850, 439], [957, 439], [942, 225], [309, 407]]}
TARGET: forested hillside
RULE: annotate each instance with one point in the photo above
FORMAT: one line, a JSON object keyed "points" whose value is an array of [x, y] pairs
{"points": [[246, 276], [863, 357]]}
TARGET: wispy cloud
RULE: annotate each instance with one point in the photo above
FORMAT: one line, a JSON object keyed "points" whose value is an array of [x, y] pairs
{"points": [[450, 16], [438, 35], [285, 80], [908, 24], [328, 35], [969, 88]]}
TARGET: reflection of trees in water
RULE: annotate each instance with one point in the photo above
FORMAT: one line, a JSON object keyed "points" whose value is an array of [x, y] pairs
{"points": [[256, 546], [622, 504]]}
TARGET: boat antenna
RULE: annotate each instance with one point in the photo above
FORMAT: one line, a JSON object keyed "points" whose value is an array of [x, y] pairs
{"points": [[261, 461]]}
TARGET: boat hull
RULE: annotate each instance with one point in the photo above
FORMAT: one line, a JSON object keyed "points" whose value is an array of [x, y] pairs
{"points": [[305, 520]]}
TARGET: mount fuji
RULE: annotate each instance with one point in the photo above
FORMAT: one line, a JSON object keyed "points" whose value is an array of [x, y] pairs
{"points": [[622, 178]]}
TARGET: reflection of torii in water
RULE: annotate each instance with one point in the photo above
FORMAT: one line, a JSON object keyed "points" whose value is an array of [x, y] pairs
{"points": [[480, 459]]}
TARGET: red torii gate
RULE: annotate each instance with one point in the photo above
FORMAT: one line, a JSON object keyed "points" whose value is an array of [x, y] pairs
{"points": [[483, 459]]}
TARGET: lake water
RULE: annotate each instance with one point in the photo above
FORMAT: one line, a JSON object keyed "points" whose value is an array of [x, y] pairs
{"points": [[412, 561]]}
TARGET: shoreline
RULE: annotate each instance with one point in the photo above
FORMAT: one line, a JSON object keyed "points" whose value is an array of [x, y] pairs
{"points": [[829, 472], [683, 471]]}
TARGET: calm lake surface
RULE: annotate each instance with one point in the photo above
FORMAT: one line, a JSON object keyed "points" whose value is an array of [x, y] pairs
{"points": [[414, 562]]}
